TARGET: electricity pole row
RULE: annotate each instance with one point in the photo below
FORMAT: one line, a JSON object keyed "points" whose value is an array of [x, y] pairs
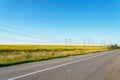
{"points": [[87, 42]]}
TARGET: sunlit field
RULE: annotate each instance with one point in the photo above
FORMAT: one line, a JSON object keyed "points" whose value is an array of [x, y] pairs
{"points": [[16, 54], [46, 47]]}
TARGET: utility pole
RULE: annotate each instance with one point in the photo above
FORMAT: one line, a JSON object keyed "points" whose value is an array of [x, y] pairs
{"points": [[89, 42], [66, 42], [70, 42], [84, 42], [103, 43]]}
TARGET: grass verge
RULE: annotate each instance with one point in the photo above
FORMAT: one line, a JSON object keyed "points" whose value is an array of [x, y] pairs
{"points": [[13, 58]]}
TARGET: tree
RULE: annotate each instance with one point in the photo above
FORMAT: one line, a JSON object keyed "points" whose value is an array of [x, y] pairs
{"points": [[113, 46]]}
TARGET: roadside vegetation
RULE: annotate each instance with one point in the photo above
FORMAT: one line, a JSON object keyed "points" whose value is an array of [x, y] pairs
{"points": [[114, 46], [16, 54]]}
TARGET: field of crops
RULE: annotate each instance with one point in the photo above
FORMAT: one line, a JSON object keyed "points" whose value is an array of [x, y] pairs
{"points": [[46, 47], [15, 54]]}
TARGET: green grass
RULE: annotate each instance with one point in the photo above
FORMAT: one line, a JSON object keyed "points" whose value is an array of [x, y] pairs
{"points": [[17, 54]]}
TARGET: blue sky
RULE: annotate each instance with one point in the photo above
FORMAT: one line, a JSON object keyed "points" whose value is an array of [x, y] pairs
{"points": [[55, 20]]}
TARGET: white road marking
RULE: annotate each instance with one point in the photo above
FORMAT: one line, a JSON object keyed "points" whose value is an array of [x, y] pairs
{"points": [[56, 67]]}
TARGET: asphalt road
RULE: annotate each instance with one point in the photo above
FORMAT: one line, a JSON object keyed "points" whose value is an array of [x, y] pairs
{"points": [[97, 66]]}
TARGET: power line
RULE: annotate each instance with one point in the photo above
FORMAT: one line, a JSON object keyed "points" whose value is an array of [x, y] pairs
{"points": [[18, 40], [10, 27], [30, 36], [23, 33], [37, 36]]}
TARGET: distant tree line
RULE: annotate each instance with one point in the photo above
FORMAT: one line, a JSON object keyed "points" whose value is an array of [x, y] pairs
{"points": [[114, 46]]}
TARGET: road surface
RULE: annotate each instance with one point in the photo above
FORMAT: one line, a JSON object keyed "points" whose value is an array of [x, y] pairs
{"points": [[97, 66]]}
